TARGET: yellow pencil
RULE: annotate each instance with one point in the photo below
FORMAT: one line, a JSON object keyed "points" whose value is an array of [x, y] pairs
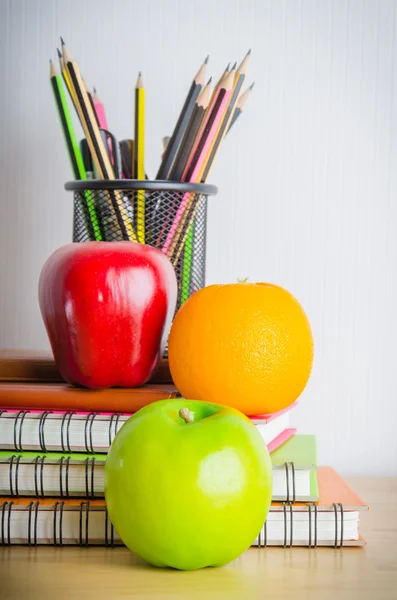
{"points": [[96, 145], [139, 154]]}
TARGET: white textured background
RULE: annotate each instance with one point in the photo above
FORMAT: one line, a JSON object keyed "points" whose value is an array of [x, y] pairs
{"points": [[307, 181]]}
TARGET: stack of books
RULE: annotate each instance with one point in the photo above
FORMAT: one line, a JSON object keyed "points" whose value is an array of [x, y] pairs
{"points": [[53, 448]]}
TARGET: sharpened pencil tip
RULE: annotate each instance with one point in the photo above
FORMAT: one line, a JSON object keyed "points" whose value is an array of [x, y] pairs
{"points": [[207, 59], [94, 88], [62, 41], [59, 53], [252, 86], [140, 73], [234, 66], [50, 61], [249, 52], [209, 81]]}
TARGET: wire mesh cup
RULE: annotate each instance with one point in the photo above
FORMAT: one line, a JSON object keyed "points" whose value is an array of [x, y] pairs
{"points": [[170, 216]]}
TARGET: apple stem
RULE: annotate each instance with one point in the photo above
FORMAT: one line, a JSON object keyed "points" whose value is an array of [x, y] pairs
{"points": [[186, 415], [242, 279]]}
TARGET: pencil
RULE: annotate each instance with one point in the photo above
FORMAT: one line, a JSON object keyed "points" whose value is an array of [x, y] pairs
{"points": [[91, 99], [222, 130], [96, 145], [139, 154], [72, 145], [184, 151], [100, 111], [180, 127], [191, 133], [192, 170], [65, 75], [240, 105]]}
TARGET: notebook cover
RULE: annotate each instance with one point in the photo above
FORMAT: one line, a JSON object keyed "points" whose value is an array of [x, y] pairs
{"points": [[60, 396], [25, 365], [300, 449]]}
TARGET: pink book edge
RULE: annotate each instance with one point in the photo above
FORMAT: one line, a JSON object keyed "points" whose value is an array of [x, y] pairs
{"points": [[270, 417], [76, 413], [283, 437]]}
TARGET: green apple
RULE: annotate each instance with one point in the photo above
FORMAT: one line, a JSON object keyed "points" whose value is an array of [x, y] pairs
{"points": [[188, 484]]}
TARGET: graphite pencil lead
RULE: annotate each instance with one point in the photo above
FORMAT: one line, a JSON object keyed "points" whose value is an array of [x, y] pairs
{"points": [[249, 52], [94, 88], [62, 41], [209, 81], [251, 87], [59, 53], [234, 66], [207, 59]]}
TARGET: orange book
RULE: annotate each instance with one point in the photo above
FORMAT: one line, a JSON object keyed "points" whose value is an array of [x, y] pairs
{"points": [[25, 365], [64, 397], [333, 521]]}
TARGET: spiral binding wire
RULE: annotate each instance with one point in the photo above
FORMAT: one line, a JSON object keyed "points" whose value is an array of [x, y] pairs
{"points": [[89, 493], [41, 429], [36, 487], [312, 506], [290, 466], [339, 505], [291, 514], [115, 417], [61, 505], [67, 463], [88, 432], [18, 445], [3, 511], [35, 523], [107, 521], [87, 510], [17, 461], [68, 415]]}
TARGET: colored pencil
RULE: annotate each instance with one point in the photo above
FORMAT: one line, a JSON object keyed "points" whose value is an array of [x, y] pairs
{"points": [[180, 127], [240, 105], [72, 145], [199, 153], [182, 156], [222, 130], [191, 133], [100, 111], [97, 148], [91, 99], [187, 243], [139, 154]]}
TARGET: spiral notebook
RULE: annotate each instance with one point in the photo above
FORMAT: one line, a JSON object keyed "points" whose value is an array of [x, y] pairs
{"points": [[82, 475], [333, 521], [93, 432]]}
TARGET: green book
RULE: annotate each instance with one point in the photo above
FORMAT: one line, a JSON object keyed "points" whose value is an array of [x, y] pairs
{"points": [[295, 470], [51, 474], [82, 475]]}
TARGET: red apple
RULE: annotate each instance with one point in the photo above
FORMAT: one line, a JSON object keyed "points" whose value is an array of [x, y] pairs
{"points": [[107, 308]]}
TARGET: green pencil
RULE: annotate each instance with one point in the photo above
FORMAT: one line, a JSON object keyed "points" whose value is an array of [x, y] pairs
{"points": [[72, 145]]}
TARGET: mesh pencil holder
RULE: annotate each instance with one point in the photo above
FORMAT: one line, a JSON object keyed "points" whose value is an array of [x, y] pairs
{"points": [[171, 216]]}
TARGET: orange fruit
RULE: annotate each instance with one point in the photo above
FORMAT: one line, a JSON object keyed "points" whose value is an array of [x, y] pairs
{"points": [[246, 345]]}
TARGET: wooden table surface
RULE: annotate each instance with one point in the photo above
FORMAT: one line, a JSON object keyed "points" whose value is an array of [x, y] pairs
{"points": [[298, 573]]}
